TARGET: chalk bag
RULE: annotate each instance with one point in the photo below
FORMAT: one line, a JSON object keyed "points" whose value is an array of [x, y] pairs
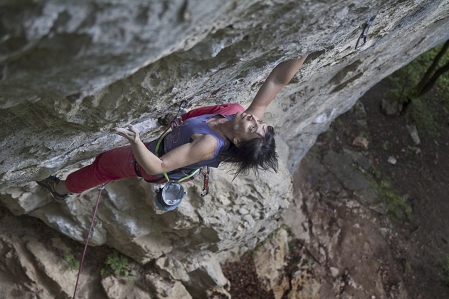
{"points": [[170, 196]]}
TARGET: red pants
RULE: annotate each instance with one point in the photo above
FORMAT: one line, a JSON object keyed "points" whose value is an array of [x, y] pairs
{"points": [[119, 163], [109, 166]]}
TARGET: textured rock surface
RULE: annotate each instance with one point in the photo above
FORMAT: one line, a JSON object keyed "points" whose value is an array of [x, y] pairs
{"points": [[214, 57], [71, 72], [269, 262]]}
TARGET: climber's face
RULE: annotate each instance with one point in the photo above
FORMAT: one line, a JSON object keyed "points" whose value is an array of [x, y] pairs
{"points": [[247, 127]]}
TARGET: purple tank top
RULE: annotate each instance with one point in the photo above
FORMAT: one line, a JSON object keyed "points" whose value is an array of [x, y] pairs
{"points": [[181, 134]]}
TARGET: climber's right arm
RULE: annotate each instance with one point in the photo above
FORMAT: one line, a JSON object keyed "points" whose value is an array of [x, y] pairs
{"points": [[278, 78]]}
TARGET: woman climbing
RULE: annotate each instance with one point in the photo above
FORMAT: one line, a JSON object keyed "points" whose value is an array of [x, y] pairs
{"points": [[206, 137]]}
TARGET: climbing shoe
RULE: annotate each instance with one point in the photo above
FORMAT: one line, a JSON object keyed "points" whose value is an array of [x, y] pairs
{"points": [[50, 184]]}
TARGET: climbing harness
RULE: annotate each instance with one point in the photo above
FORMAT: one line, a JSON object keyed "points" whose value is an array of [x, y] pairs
{"points": [[88, 237], [364, 34]]}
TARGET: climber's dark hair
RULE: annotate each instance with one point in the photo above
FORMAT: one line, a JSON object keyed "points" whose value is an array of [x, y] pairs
{"points": [[254, 154]]}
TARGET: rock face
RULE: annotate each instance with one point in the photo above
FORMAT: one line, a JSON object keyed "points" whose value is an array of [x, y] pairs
{"points": [[71, 72]]}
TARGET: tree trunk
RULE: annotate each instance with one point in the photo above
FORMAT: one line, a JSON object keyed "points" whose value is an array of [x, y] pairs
{"points": [[431, 82], [427, 76]]}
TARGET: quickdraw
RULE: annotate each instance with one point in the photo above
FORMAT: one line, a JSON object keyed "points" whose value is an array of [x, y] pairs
{"points": [[364, 34]]}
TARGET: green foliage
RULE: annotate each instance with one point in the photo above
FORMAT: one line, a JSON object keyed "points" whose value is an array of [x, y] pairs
{"points": [[117, 264], [287, 228], [446, 271], [70, 258], [329, 133], [406, 79], [375, 173], [405, 83], [253, 252], [397, 205], [422, 116]]}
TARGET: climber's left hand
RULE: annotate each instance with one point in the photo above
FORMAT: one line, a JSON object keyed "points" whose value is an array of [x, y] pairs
{"points": [[130, 132]]}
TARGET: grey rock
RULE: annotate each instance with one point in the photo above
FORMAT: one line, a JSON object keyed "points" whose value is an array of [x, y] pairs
{"points": [[358, 158], [343, 169], [329, 183], [359, 110], [381, 208], [392, 160], [389, 108], [414, 134], [367, 196]]}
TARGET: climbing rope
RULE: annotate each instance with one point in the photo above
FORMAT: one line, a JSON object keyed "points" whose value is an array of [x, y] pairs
{"points": [[88, 236], [175, 122]]}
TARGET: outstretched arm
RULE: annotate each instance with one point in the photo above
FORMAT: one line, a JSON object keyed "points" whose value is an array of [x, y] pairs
{"points": [[278, 78]]}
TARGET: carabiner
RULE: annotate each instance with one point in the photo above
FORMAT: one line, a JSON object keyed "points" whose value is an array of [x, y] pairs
{"points": [[182, 108], [364, 34], [177, 120], [205, 181]]}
